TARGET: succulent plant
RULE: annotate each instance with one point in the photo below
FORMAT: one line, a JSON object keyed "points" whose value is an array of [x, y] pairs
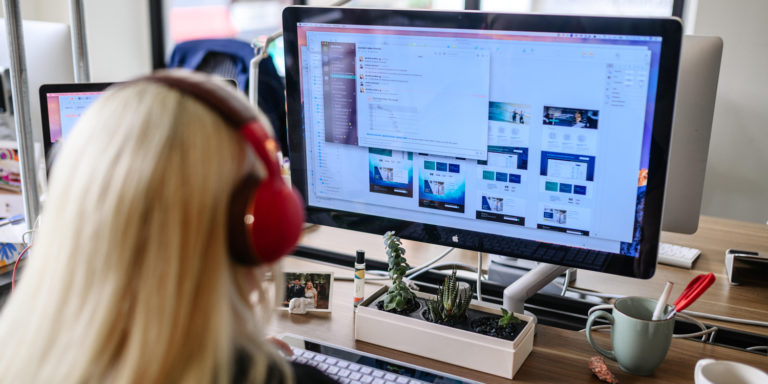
{"points": [[452, 301], [507, 318], [399, 297]]}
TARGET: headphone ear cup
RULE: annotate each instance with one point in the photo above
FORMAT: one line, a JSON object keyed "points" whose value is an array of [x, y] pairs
{"points": [[265, 220]]}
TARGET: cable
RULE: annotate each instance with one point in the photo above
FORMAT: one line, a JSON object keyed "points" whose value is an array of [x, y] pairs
{"points": [[727, 319], [687, 312], [411, 272], [16, 266], [479, 275], [703, 333], [417, 270]]}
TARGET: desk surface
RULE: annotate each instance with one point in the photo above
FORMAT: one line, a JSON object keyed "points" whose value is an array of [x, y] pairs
{"points": [[560, 355]]}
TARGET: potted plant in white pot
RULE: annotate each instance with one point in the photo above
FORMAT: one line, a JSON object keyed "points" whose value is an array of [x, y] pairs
{"points": [[436, 326]]}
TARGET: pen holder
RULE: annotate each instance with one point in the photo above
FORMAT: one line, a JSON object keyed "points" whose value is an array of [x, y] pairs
{"points": [[639, 343]]}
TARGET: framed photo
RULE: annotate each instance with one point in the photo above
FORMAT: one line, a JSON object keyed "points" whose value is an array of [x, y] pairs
{"points": [[311, 290]]}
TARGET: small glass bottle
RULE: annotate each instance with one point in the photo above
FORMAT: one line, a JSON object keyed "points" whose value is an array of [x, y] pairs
{"points": [[359, 288]]}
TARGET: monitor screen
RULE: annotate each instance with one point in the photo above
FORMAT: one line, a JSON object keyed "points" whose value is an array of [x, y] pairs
{"points": [[61, 106], [64, 109], [533, 142]]}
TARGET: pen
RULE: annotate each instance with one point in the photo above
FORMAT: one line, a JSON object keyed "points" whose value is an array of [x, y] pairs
{"points": [[662, 301], [12, 220]]}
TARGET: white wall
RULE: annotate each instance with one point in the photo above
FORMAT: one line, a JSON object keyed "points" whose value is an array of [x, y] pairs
{"points": [[736, 183], [117, 32]]}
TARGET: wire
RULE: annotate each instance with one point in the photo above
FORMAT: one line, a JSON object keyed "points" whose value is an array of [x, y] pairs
{"points": [[686, 312], [16, 266], [727, 319], [703, 333], [419, 269], [479, 275]]}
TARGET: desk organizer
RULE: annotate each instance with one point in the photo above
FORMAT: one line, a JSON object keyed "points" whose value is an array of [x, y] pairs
{"points": [[460, 347]]}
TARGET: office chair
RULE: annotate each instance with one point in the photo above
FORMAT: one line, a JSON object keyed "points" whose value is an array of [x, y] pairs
{"points": [[230, 58]]}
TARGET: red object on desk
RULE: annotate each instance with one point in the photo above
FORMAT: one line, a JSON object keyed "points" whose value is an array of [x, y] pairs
{"points": [[693, 290]]}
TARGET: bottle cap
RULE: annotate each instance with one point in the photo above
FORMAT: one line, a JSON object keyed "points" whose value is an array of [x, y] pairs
{"points": [[360, 257]]}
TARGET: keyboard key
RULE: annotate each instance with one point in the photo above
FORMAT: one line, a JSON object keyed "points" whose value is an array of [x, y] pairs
{"points": [[332, 370], [344, 380], [342, 364], [353, 367], [366, 370], [366, 379], [331, 361], [390, 376], [402, 380], [377, 374], [355, 375], [323, 366], [343, 373], [379, 381], [414, 381], [319, 358]]}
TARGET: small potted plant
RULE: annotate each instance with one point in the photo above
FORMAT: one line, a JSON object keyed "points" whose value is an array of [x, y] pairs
{"points": [[399, 298], [435, 326], [452, 302]]}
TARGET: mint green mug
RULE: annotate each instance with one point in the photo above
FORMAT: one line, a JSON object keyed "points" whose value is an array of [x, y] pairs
{"points": [[639, 343]]}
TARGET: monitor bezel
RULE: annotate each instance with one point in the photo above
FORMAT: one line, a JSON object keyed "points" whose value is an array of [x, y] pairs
{"points": [[669, 29], [45, 89]]}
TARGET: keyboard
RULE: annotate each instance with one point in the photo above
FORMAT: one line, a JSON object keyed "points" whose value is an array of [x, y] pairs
{"points": [[349, 366], [677, 255]]}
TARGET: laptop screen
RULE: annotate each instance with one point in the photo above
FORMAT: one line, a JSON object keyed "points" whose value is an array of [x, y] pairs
{"points": [[64, 109], [61, 106]]}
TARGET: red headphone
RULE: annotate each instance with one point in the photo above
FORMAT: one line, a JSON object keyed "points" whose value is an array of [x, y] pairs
{"points": [[265, 216]]}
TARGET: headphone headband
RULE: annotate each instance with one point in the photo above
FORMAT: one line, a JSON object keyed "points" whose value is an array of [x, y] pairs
{"points": [[211, 94], [265, 216]]}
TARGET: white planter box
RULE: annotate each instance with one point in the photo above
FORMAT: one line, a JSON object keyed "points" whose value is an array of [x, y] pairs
{"points": [[455, 346]]}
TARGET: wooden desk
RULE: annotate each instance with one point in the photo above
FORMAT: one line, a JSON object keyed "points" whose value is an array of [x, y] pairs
{"points": [[559, 355]]}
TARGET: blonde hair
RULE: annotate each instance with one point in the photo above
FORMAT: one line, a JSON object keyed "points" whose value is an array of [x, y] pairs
{"points": [[129, 279]]}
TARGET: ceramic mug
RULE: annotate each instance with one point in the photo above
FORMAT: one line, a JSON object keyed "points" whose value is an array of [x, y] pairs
{"points": [[639, 343], [710, 371]]}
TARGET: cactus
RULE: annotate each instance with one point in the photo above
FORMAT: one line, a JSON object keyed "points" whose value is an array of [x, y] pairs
{"points": [[452, 301], [398, 297]]}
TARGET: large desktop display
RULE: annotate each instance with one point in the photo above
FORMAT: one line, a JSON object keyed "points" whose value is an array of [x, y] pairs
{"points": [[533, 136]]}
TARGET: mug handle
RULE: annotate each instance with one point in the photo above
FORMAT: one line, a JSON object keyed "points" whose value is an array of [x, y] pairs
{"points": [[592, 317]]}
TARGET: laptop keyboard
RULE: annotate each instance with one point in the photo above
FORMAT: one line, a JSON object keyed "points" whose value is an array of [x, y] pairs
{"points": [[346, 372]]}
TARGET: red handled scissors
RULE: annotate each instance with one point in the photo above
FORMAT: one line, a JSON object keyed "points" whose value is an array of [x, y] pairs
{"points": [[692, 291]]}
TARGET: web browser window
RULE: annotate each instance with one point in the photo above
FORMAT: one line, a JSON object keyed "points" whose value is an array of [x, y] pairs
{"points": [[539, 136]]}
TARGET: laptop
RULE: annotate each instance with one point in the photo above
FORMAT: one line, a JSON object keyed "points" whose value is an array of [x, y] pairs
{"points": [[61, 106]]}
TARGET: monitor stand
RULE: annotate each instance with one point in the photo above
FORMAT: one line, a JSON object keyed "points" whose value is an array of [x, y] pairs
{"points": [[529, 284]]}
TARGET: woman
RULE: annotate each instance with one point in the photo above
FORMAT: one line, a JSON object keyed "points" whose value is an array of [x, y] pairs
{"points": [[130, 278], [310, 293]]}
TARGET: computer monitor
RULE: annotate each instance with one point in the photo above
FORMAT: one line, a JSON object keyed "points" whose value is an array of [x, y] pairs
{"points": [[535, 136], [694, 108], [48, 51], [61, 106]]}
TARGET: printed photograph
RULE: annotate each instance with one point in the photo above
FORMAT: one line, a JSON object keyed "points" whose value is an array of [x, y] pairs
{"points": [[312, 290]]}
